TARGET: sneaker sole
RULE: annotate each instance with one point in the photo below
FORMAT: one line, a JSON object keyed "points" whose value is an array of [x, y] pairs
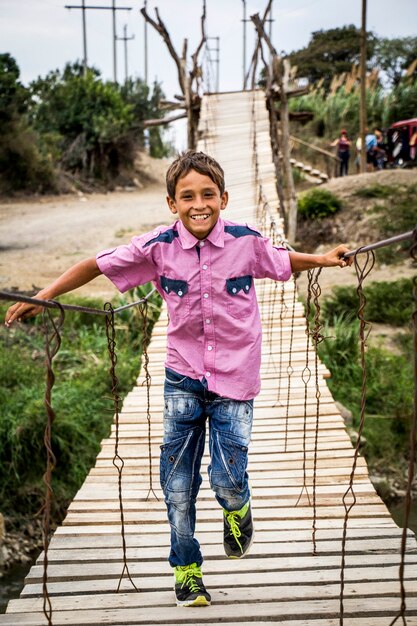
{"points": [[198, 601]]}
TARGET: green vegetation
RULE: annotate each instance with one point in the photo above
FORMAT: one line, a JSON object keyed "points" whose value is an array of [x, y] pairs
{"points": [[396, 215], [386, 302], [318, 203], [389, 403], [81, 399], [334, 51], [72, 121], [376, 191]]}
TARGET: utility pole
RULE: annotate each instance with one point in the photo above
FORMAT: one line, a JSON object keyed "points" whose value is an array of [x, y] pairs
{"points": [[244, 43], [145, 39], [113, 8], [245, 20], [363, 89], [125, 39], [216, 60]]}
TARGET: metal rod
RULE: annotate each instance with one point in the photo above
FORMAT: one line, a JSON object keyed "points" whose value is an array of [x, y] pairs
{"points": [[380, 244]]}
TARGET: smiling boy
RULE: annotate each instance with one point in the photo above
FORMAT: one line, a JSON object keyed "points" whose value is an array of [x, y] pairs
{"points": [[204, 268]]}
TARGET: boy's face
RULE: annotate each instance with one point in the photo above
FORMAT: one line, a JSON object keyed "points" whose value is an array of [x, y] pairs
{"points": [[197, 203]]}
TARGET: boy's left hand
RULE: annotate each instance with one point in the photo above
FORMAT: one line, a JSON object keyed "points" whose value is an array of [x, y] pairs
{"points": [[334, 257]]}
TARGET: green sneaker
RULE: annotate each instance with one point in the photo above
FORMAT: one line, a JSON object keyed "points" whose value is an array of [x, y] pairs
{"points": [[189, 587], [238, 532]]}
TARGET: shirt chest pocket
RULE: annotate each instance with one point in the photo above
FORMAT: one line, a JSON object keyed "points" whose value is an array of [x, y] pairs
{"points": [[239, 296], [176, 296]]}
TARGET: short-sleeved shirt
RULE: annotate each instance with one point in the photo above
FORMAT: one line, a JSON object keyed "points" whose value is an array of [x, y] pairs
{"points": [[214, 330]]}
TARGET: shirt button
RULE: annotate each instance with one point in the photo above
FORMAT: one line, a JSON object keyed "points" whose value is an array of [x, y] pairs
{"points": [[205, 295], [208, 321], [209, 348], [166, 288], [180, 293], [201, 244], [204, 267], [208, 374], [234, 289]]}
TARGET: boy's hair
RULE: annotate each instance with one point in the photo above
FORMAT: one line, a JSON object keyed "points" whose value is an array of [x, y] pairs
{"points": [[198, 161]]}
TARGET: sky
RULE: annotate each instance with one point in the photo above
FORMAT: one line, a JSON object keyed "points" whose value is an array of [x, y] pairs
{"points": [[42, 35]]}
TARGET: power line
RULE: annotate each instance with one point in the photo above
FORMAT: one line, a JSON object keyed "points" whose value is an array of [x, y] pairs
{"points": [[85, 8], [125, 39], [216, 60], [245, 21]]}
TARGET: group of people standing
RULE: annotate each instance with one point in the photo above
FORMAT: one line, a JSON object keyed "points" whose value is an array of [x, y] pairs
{"points": [[375, 151]]}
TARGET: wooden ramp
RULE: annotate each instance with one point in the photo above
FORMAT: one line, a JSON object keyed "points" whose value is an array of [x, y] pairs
{"points": [[281, 580]]}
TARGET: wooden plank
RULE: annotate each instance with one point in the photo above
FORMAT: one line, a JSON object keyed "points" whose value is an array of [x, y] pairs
{"points": [[281, 580]]}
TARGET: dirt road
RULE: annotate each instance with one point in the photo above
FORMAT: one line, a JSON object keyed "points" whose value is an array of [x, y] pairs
{"points": [[40, 238]]}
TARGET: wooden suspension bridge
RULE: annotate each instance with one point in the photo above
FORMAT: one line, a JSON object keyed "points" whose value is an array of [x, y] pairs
{"points": [[284, 579]]}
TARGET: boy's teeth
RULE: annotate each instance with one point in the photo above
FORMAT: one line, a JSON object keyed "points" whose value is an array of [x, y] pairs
{"points": [[199, 217]]}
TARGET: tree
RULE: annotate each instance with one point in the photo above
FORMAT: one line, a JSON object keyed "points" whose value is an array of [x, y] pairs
{"points": [[394, 56], [330, 52], [22, 164]]}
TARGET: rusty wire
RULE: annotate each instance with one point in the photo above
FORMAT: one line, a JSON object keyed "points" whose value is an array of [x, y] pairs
{"points": [[412, 452], [306, 377], [364, 329], [282, 314], [117, 459], [52, 333], [290, 369], [145, 340], [317, 338]]}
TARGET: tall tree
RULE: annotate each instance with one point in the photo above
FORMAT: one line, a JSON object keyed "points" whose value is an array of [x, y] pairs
{"points": [[394, 56], [330, 52]]}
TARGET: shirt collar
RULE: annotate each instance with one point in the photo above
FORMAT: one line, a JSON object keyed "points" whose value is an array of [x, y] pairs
{"points": [[216, 237]]}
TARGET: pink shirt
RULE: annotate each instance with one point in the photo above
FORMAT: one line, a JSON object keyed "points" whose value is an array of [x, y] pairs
{"points": [[214, 329]]}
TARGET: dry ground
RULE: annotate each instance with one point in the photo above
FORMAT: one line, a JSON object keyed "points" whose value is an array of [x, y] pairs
{"points": [[41, 237]]}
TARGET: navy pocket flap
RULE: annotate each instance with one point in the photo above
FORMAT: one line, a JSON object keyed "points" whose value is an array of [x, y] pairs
{"points": [[180, 287], [234, 285]]}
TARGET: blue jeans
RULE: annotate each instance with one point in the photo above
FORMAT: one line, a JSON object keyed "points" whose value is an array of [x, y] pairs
{"points": [[188, 404]]}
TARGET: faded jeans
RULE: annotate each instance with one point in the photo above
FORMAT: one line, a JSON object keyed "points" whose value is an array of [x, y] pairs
{"points": [[188, 404]]}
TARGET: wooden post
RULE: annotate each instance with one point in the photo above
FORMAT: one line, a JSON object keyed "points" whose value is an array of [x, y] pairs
{"points": [[363, 90], [281, 71]]}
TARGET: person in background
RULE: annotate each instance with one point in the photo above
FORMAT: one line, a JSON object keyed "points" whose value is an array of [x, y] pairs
{"points": [[343, 152], [380, 151]]}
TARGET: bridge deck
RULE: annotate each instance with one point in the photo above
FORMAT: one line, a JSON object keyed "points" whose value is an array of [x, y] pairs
{"points": [[281, 580]]}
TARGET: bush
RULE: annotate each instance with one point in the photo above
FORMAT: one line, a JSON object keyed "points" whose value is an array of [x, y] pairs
{"points": [[387, 302], [376, 191], [318, 203], [81, 399], [389, 399]]}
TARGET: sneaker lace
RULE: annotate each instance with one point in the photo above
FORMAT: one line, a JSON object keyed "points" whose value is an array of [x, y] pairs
{"points": [[233, 519], [187, 576]]}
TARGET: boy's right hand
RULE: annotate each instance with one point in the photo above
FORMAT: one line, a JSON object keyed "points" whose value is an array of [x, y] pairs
{"points": [[20, 311]]}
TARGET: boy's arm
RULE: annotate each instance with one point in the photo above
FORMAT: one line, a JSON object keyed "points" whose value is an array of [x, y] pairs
{"points": [[76, 276], [301, 262]]}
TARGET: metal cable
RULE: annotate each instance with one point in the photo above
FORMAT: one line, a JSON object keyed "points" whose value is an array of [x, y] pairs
{"points": [[306, 377], [412, 451], [317, 338], [52, 333], [290, 369], [52, 304], [147, 382], [117, 459], [361, 272]]}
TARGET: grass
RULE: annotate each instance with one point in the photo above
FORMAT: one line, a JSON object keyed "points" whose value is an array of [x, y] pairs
{"points": [[388, 302], [81, 399], [394, 214], [389, 398]]}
